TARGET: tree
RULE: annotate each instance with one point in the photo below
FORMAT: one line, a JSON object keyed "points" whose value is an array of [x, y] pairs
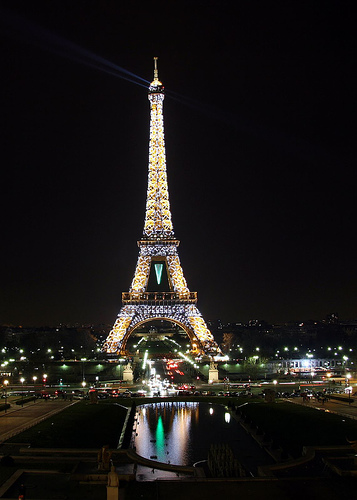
{"points": [[227, 343]]}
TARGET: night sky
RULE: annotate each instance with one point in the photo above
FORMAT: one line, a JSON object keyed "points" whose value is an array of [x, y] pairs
{"points": [[260, 141]]}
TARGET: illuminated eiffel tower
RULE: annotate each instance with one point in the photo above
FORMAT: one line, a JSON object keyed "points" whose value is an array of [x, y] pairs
{"points": [[159, 289]]}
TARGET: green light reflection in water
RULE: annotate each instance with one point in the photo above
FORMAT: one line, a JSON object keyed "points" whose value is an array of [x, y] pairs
{"points": [[160, 438]]}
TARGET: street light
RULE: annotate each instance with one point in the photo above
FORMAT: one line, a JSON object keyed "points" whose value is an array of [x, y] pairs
{"points": [[349, 388], [34, 378], [22, 380], [83, 367], [5, 384]]}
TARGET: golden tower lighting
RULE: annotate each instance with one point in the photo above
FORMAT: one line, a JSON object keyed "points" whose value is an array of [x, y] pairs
{"points": [[159, 289]]}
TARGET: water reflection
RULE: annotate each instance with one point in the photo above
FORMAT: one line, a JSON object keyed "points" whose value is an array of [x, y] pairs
{"points": [[182, 433], [163, 431]]}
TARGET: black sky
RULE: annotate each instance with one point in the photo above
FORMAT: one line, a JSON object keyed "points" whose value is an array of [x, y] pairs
{"points": [[260, 144]]}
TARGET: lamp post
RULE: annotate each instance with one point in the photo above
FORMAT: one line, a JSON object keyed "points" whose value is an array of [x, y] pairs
{"points": [[22, 380], [6, 384], [349, 388], [83, 369], [34, 378]]}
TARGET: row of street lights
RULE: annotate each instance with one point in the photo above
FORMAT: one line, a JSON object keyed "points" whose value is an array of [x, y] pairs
{"points": [[22, 380]]}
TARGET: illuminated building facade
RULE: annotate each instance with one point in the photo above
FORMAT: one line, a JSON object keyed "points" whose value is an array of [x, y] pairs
{"points": [[159, 289]]}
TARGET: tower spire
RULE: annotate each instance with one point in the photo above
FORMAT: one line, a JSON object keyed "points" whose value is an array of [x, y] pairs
{"points": [[156, 85], [156, 71], [158, 223]]}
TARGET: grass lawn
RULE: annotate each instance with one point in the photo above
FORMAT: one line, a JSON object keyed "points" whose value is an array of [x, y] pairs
{"points": [[82, 425], [293, 426]]}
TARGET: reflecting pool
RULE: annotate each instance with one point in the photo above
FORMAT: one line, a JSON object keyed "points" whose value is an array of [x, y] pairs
{"points": [[182, 434]]}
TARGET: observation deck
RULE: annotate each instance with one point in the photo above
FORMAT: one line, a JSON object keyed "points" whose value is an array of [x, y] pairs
{"points": [[159, 298], [150, 242]]}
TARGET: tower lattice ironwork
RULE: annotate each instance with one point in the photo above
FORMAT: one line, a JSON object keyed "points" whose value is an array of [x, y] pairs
{"points": [[159, 289]]}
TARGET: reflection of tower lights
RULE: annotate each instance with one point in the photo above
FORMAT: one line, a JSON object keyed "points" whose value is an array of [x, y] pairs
{"points": [[161, 422], [227, 417], [211, 411]]}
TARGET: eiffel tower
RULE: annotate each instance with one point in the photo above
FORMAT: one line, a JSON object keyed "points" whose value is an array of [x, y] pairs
{"points": [[159, 289]]}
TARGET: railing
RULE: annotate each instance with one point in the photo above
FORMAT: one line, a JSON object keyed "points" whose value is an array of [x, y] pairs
{"points": [[161, 298]]}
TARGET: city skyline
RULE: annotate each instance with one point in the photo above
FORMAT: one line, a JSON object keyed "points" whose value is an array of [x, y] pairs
{"points": [[259, 140]]}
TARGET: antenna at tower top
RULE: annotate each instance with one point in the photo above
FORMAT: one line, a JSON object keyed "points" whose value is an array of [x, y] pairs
{"points": [[156, 86], [156, 71]]}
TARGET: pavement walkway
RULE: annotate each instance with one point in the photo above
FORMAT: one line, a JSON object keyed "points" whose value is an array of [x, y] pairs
{"points": [[18, 418], [343, 408]]}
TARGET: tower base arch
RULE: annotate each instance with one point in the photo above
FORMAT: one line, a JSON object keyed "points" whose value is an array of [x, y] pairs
{"points": [[187, 316]]}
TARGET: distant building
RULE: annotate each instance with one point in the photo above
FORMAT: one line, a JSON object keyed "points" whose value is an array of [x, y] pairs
{"points": [[311, 366]]}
